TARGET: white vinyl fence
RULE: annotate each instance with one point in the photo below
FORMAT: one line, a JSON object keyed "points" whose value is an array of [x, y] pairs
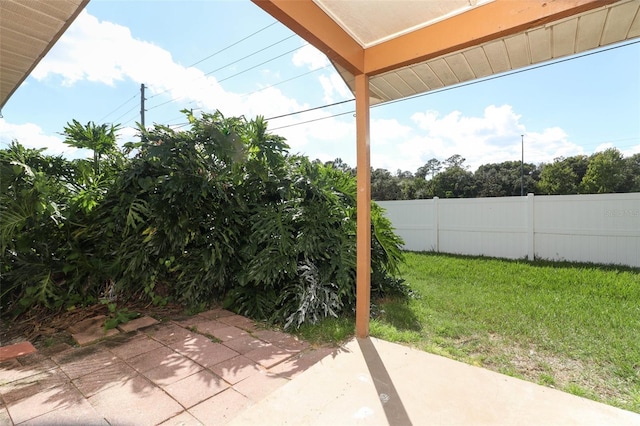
{"points": [[600, 228]]}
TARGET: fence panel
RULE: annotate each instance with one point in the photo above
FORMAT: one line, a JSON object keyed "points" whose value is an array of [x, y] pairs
{"points": [[493, 227], [602, 228], [415, 222]]}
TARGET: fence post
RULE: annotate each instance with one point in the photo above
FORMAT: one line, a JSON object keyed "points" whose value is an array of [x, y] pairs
{"points": [[436, 224], [531, 249]]}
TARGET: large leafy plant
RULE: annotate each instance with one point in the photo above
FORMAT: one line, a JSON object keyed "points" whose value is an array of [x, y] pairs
{"points": [[217, 212]]}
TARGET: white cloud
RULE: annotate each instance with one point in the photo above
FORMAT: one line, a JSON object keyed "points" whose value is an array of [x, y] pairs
{"points": [[310, 57], [31, 136], [104, 52], [334, 88], [631, 151], [491, 138]]}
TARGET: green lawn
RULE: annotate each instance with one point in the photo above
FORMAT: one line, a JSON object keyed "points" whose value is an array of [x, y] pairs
{"points": [[571, 327]]}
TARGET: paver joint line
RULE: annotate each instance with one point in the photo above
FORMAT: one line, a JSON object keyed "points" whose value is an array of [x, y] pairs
{"points": [[171, 369]]}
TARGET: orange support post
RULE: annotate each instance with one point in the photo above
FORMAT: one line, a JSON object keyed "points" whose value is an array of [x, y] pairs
{"points": [[363, 241]]}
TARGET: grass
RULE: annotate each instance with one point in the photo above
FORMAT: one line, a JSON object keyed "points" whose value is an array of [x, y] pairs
{"points": [[573, 327], [569, 326]]}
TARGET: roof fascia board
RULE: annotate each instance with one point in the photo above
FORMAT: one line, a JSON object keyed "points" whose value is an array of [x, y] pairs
{"points": [[53, 41], [311, 23], [488, 22]]}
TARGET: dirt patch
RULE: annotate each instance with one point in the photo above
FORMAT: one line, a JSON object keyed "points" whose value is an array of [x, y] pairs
{"points": [[47, 329]]}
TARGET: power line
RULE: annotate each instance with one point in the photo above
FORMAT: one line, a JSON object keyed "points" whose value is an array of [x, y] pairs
{"points": [[444, 89], [128, 111], [311, 121], [262, 63], [233, 44], [220, 51], [250, 54], [233, 75], [506, 74], [285, 81], [121, 105], [310, 109]]}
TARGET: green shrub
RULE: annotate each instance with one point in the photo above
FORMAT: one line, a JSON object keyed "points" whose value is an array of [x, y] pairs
{"points": [[217, 212]]}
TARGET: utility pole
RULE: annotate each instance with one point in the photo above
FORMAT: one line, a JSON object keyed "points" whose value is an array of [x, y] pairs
{"points": [[522, 167], [142, 99]]}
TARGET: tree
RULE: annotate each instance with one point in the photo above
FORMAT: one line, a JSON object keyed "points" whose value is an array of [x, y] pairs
{"points": [[338, 164], [605, 173], [454, 182], [563, 176], [99, 139], [385, 186], [431, 169], [505, 179], [633, 173], [455, 160]]}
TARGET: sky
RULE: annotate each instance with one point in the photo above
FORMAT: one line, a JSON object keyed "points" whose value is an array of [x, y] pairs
{"points": [[233, 57]]}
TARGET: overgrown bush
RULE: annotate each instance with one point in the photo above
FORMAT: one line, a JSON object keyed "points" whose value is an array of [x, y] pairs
{"points": [[219, 212]]}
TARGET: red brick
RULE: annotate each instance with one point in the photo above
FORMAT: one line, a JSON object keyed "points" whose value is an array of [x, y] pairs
{"points": [[137, 324], [16, 350]]}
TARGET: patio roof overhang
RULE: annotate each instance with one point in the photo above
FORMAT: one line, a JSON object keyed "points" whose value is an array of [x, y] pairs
{"points": [[387, 50], [28, 30]]}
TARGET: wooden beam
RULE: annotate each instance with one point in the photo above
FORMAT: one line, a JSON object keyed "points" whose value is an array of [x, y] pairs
{"points": [[311, 23], [363, 200], [488, 22]]}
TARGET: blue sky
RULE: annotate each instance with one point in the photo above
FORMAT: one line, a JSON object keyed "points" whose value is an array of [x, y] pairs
{"points": [[94, 72]]}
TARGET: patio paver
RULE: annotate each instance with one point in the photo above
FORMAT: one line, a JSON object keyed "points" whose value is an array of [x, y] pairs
{"points": [[136, 402], [16, 350], [171, 374], [196, 388]]}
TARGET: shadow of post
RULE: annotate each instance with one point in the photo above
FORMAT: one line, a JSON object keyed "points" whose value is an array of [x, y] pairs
{"points": [[391, 403]]}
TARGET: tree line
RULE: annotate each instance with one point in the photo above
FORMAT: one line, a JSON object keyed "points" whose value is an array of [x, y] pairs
{"points": [[607, 171]]}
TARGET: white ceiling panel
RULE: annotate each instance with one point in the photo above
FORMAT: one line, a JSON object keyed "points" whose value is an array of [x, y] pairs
{"points": [[427, 75], [590, 27], [564, 38], [460, 67], [540, 44], [497, 55], [394, 79], [478, 62], [412, 79], [619, 22], [444, 72]]}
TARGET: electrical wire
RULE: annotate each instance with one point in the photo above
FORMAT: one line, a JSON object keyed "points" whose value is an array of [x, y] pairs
{"points": [[285, 81], [124, 114], [457, 86], [310, 109], [117, 108], [311, 121], [233, 75], [255, 52], [233, 44], [220, 51], [262, 63]]}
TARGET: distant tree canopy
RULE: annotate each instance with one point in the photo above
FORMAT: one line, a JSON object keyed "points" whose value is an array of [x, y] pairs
{"points": [[603, 172]]}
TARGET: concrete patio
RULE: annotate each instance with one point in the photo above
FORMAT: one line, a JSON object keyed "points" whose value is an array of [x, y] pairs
{"points": [[219, 368]]}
